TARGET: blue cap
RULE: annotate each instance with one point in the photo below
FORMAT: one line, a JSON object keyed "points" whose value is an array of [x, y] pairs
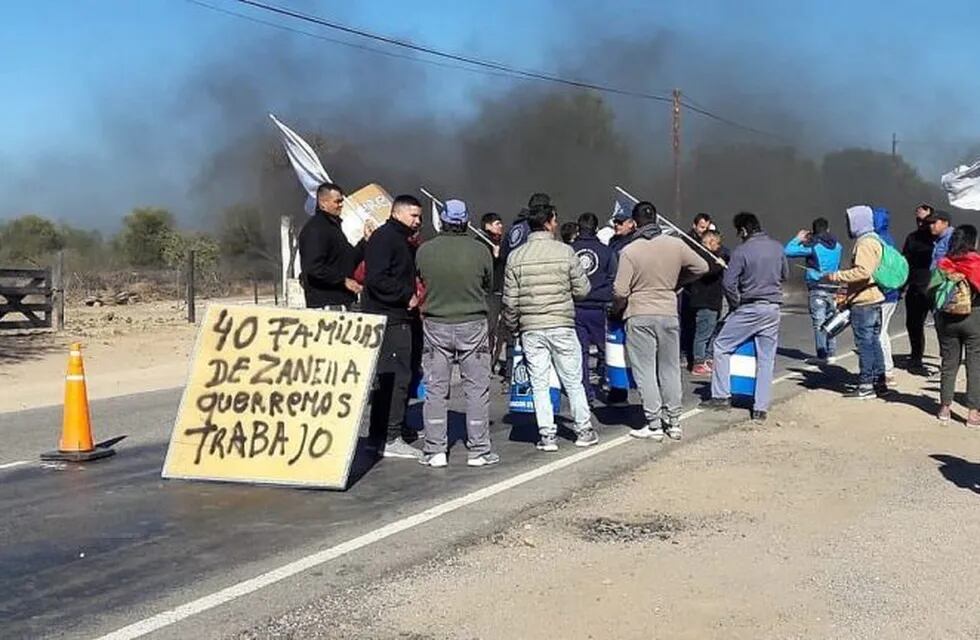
{"points": [[454, 212]]}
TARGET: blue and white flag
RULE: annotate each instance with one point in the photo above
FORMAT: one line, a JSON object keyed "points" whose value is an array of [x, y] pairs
{"points": [[622, 204]]}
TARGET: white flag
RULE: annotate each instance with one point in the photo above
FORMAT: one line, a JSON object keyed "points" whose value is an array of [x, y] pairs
{"points": [[962, 186], [305, 163]]}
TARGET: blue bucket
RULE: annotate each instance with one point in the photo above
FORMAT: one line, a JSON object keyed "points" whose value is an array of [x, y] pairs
{"points": [[742, 370], [618, 375], [521, 394]]}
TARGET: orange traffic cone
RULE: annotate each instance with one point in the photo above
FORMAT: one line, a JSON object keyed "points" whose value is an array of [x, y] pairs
{"points": [[76, 443]]}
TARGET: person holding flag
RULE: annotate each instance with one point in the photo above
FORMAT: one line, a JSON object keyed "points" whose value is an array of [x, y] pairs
{"points": [[650, 270]]}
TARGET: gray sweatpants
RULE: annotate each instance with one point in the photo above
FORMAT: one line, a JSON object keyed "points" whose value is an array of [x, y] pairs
{"points": [[466, 344], [653, 346]]}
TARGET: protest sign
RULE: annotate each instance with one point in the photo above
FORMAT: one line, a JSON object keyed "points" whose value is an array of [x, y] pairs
{"points": [[275, 396]]}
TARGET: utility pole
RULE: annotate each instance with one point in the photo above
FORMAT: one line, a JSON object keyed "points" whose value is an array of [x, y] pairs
{"points": [[677, 153], [894, 146]]}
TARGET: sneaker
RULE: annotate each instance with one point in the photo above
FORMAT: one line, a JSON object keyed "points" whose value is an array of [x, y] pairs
{"points": [[701, 369], [973, 419], [861, 392], [945, 413], [648, 433], [587, 438], [759, 416], [398, 448], [484, 460], [674, 431], [716, 404], [883, 390], [918, 369], [437, 460], [548, 444]]}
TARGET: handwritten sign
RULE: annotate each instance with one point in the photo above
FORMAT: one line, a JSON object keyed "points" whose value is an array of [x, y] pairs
{"points": [[275, 396]]}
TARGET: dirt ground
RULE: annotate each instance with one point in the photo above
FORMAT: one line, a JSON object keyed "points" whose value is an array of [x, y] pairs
{"points": [[837, 519], [127, 349]]}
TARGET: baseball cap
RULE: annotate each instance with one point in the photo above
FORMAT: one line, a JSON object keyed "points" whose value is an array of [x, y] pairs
{"points": [[938, 214], [454, 212]]}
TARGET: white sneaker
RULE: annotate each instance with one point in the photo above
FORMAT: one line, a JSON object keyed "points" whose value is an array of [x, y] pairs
{"points": [[398, 448], [548, 444], [646, 433], [484, 460], [435, 460]]}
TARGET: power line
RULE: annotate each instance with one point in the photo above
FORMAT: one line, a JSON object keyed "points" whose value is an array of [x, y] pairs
{"points": [[489, 64], [477, 65], [352, 45]]}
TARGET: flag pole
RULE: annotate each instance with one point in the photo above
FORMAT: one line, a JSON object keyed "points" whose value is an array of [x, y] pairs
{"points": [[662, 220]]}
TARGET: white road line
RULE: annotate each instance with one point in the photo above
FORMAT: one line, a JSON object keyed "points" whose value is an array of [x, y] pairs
{"points": [[204, 603], [15, 463]]}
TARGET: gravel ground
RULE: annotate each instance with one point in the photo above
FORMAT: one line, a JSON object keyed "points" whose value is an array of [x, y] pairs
{"points": [[836, 519]]}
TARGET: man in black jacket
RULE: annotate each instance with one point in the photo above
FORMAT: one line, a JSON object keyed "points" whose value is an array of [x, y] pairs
{"points": [[599, 263], [327, 259], [918, 251], [389, 289]]}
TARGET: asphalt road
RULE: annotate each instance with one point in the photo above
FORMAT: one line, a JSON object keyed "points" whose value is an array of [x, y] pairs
{"points": [[86, 550]]}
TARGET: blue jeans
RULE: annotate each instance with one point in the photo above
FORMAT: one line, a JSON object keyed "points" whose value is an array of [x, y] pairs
{"points": [[558, 348], [758, 321], [705, 322], [822, 306], [866, 323]]}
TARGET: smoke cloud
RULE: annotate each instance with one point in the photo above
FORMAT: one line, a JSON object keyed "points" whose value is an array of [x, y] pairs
{"points": [[206, 144]]}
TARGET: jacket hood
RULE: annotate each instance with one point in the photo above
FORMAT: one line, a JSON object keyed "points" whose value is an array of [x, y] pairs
{"points": [[882, 222], [860, 220], [826, 239], [648, 231]]}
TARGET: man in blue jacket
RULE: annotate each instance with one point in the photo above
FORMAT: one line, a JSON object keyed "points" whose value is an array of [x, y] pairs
{"points": [[599, 263], [882, 223], [823, 254]]}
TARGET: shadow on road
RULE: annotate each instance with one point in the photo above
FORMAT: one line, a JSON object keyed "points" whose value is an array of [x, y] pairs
{"points": [[16, 348], [962, 473]]}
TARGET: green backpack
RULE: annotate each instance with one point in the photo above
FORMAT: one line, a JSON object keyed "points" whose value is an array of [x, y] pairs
{"points": [[893, 270]]}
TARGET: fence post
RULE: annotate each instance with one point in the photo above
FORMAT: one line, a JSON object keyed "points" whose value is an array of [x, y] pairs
{"points": [[191, 316], [58, 292], [255, 290]]}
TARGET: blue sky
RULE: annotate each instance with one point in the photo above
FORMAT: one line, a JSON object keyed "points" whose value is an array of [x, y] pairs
{"points": [[66, 64]]}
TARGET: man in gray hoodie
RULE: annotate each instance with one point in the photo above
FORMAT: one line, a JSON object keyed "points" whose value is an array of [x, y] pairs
{"points": [[753, 284]]}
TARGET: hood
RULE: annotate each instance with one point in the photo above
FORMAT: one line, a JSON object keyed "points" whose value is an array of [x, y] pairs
{"points": [[860, 220], [826, 239], [967, 264], [648, 231], [882, 222]]}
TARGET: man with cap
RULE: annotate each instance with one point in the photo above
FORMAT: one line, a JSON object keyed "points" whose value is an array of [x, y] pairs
{"points": [[624, 229], [942, 231], [458, 275]]}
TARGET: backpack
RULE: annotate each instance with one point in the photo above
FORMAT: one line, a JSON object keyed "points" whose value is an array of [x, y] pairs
{"points": [[892, 270], [951, 293]]}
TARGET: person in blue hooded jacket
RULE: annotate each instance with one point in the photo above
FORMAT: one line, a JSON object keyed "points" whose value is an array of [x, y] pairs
{"points": [[823, 255], [882, 222]]}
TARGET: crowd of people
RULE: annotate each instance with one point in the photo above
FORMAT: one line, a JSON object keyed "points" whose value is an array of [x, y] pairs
{"points": [[460, 298]]}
